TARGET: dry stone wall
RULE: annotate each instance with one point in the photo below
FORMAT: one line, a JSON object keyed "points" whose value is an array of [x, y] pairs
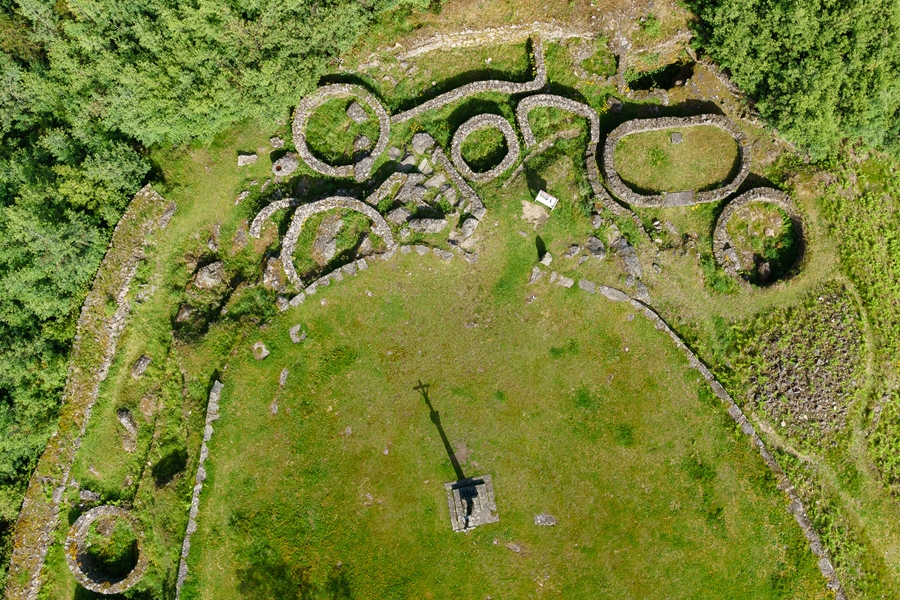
{"points": [[722, 241], [685, 198], [363, 167], [266, 213], [469, 38], [305, 211], [478, 87], [212, 415], [484, 121], [80, 564], [92, 354]]}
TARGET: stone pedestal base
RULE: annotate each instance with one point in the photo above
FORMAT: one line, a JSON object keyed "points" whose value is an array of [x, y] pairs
{"points": [[471, 502]]}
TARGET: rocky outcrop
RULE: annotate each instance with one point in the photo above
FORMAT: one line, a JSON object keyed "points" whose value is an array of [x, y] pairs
{"points": [[683, 198], [484, 121]]}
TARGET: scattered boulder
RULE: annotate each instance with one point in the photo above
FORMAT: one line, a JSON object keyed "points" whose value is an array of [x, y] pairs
{"points": [[365, 246], [565, 282], [184, 313], [282, 379], [422, 143], [572, 251], [361, 143], [536, 274], [286, 165], [613, 294], [514, 547], [641, 292], [443, 254], [394, 153], [398, 216], [89, 496], [357, 113], [468, 227], [425, 167], [587, 286], [240, 237], [140, 365], [545, 519], [677, 138], [297, 334], [436, 181], [598, 221], [632, 263], [546, 259], [282, 303], [276, 142], [246, 159], [129, 439], [210, 276], [260, 351], [596, 247], [614, 104], [428, 225]]}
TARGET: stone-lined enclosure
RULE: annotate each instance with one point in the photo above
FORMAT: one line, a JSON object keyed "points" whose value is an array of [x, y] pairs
{"points": [[483, 122], [79, 562], [722, 242], [681, 198]]}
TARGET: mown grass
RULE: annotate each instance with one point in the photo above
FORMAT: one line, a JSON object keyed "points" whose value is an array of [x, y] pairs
{"points": [[650, 162], [595, 436]]}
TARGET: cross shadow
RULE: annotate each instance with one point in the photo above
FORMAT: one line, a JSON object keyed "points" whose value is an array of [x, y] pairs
{"points": [[422, 388]]}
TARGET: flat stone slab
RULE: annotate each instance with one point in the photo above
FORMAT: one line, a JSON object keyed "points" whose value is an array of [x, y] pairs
{"points": [[471, 502], [677, 138], [357, 113]]}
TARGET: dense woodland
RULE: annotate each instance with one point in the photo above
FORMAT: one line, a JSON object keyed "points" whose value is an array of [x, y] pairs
{"points": [[88, 85]]}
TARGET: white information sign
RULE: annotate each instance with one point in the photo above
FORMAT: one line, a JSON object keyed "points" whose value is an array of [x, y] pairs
{"points": [[546, 199]]}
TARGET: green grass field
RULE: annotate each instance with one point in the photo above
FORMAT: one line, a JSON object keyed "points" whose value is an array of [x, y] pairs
{"points": [[650, 162]]}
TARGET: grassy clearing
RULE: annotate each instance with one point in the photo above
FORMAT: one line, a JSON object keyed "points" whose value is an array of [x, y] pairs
{"points": [[650, 162], [596, 436]]}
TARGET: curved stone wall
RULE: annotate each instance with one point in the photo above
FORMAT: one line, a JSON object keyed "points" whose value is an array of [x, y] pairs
{"points": [[471, 126], [593, 173], [722, 241], [361, 169], [305, 211], [79, 562], [492, 85], [685, 198], [266, 213]]}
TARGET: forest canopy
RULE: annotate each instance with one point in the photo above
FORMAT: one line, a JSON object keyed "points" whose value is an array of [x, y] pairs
{"points": [[87, 85], [820, 71]]}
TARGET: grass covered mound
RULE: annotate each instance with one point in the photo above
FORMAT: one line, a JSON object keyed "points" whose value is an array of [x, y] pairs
{"points": [[333, 484], [650, 162]]}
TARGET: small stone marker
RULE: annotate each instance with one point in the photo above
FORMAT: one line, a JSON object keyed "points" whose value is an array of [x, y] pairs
{"points": [[677, 137], [471, 502], [140, 365], [546, 259], [357, 113], [282, 379], [536, 274], [246, 159], [260, 351], [545, 519], [276, 142]]}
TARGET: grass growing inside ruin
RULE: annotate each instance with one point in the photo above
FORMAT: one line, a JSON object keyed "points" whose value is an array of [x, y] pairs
{"points": [[763, 235], [484, 149], [651, 163], [331, 134]]}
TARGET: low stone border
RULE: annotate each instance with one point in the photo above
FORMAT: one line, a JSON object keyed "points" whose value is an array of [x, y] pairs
{"points": [[266, 213], [484, 121], [593, 173], [469, 38], [685, 198], [305, 211], [361, 169], [478, 87], [212, 415], [79, 563], [722, 241], [93, 350]]}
